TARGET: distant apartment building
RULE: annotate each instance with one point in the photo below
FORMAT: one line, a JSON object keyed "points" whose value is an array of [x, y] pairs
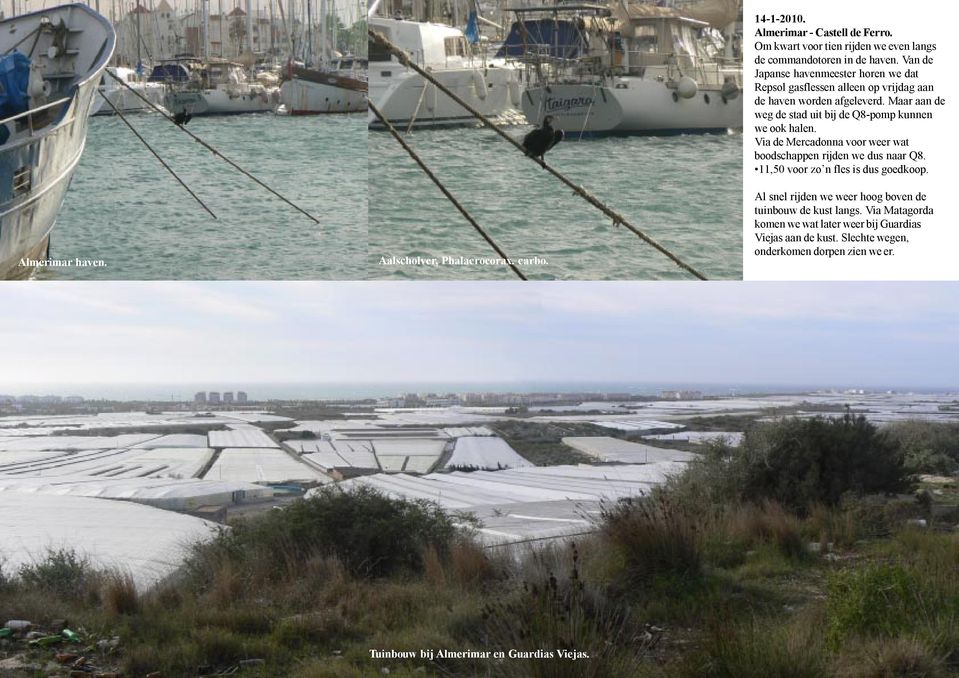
{"points": [[227, 397], [681, 395], [241, 396], [199, 397], [73, 400], [213, 397]]}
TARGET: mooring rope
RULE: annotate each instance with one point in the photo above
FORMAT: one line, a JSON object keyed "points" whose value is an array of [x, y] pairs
{"points": [[156, 155], [617, 218], [215, 151], [439, 184]]}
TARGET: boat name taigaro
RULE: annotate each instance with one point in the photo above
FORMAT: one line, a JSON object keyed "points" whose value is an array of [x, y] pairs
{"points": [[567, 104]]}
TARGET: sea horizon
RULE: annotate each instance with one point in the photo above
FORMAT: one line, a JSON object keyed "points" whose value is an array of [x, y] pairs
{"points": [[261, 391]]}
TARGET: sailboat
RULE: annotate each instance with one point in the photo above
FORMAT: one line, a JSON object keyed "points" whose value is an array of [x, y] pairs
{"points": [[52, 63], [324, 85], [635, 69], [212, 86]]}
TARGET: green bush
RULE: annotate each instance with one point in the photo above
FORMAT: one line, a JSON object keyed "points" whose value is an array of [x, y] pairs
{"points": [[370, 534], [801, 462], [798, 463], [758, 650], [63, 572], [878, 600], [927, 447]]}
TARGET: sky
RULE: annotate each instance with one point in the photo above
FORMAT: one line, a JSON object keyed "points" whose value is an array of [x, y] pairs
{"points": [[831, 334]]}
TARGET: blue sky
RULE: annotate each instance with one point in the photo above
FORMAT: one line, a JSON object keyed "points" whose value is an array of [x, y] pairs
{"points": [[851, 334]]}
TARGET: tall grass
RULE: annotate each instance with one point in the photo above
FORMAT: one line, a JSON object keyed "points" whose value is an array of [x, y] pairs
{"points": [[562, 612], [653, 537]]}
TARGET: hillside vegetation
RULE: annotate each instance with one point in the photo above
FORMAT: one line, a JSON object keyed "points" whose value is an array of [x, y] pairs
{"points": [[809, 551]]}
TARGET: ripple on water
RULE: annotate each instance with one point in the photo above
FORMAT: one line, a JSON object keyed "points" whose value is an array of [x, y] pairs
{"points": [[685, 191], [123, 207]]}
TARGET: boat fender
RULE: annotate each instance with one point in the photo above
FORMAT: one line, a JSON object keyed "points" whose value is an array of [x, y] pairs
{"points": [[706, 99], [514, 93], [730, 89], [479, 84], [687, 87], [603, 92]]}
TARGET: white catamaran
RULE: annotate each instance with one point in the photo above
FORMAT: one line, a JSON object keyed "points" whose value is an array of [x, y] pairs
{"points": [[53, 62], [120, 95], [407, 99]]}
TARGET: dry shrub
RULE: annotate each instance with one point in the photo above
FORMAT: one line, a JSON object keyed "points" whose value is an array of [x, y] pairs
{"points": [[759, 650], [226, 584], [653, 537], [767, 523], [562, 611], [118, 594], [900, 657], [838, 527], [469, 564], [433, 570]]}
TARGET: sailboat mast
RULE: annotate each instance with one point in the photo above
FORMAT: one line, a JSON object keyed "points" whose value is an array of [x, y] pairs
{"points": [[324, 56], [206, 29], [334, 22], [139, 40], [289, 34], [272, 33], [249, 32], [308, 56]]}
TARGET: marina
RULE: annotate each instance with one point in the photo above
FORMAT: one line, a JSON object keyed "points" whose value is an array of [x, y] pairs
{"points": [[257, 114], [584, 73], [166, 65]]}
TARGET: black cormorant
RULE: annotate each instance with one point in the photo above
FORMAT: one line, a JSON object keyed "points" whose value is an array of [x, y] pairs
{"points": [[542, 139]]}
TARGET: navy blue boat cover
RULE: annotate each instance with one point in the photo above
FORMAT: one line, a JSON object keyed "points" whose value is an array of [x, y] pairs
{"points": [[169, 73], [562, 37]]}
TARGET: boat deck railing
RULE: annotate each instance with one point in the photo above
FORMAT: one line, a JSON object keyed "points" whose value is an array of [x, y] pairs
{"points": [[676, 66], [33, 119]]}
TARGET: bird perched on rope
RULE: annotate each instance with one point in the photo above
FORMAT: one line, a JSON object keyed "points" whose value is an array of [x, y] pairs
{"points": [[182, 117], [541, 140]]}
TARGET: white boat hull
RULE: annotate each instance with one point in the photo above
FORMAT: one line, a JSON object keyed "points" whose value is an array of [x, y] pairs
{"points": [[632, 105], [42, 147], [303, 97], [223, 101], [406, 97], [126, 101]]}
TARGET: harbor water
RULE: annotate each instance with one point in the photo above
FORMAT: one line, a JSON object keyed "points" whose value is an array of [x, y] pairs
{"points": [[126, 211], [684, 191]]}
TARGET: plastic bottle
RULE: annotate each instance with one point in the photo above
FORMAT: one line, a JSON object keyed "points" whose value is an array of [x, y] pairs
{"points": [[18, 625]]}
